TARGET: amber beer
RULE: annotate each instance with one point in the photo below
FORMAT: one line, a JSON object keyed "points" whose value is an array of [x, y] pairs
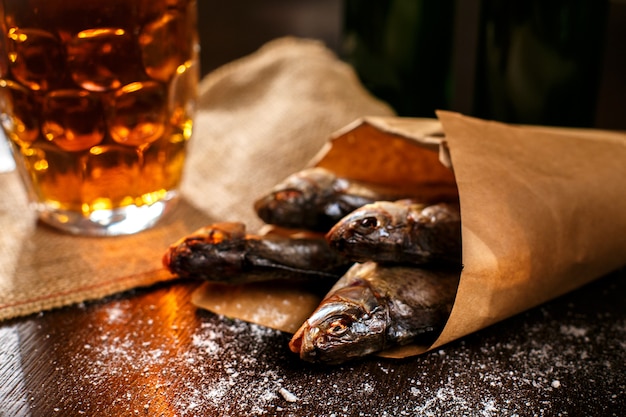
{"points": [[97, 101]]}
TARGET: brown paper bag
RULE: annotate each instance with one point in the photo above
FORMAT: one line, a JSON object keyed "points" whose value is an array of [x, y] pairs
{"points": [[543, 211]]}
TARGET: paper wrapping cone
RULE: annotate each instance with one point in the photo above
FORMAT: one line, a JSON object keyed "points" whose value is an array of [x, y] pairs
{"points": [[543, 210]]}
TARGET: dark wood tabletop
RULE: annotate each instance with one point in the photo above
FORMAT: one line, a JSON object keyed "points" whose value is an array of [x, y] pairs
{"points": [[151, 352]]}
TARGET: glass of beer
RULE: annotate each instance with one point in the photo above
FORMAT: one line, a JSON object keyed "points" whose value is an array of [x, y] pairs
{"points": [[97, 101]]}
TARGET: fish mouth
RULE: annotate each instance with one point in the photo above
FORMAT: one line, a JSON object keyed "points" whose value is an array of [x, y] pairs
{"points": [[166, 260], [295, 344], [341, 236]]}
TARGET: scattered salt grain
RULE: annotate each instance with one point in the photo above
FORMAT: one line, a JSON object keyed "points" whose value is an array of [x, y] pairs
{"points": [[288, 396], [573, 331]]}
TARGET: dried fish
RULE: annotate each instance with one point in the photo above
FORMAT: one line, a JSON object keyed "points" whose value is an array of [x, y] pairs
{"points": [[315, 199], [400, 232], [375, 307], [224, 252]]}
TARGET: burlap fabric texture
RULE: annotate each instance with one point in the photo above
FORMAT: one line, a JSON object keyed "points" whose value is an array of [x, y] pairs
{"points": [[259, 119]]}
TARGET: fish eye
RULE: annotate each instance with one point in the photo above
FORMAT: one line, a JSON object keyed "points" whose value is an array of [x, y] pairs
{"points": [[337, 327], [217, 236], [367, 224], [288, 195]]}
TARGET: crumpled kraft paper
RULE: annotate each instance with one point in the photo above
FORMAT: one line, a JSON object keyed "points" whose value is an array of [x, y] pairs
{"points": [[543, 210]]}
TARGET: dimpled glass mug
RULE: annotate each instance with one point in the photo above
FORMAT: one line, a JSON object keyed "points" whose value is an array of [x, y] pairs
{"points": [[97, 100]]}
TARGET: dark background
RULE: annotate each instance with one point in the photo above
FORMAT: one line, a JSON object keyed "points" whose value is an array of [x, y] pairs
{"points": [[595, 96]]}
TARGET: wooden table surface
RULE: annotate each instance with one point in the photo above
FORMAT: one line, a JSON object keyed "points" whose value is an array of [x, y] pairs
{"points": [[150, 352]]}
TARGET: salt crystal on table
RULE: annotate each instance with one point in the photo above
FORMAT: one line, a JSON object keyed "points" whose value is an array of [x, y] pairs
{"points": [[288, 396]]}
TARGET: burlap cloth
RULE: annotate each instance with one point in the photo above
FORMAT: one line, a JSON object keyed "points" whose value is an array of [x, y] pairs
{"points": [[259, 119]]}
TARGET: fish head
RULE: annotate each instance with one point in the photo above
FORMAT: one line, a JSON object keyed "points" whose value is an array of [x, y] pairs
{"points": [[294, 202], [373, 225], [349, 324], [220, 245], [285, 206]]}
